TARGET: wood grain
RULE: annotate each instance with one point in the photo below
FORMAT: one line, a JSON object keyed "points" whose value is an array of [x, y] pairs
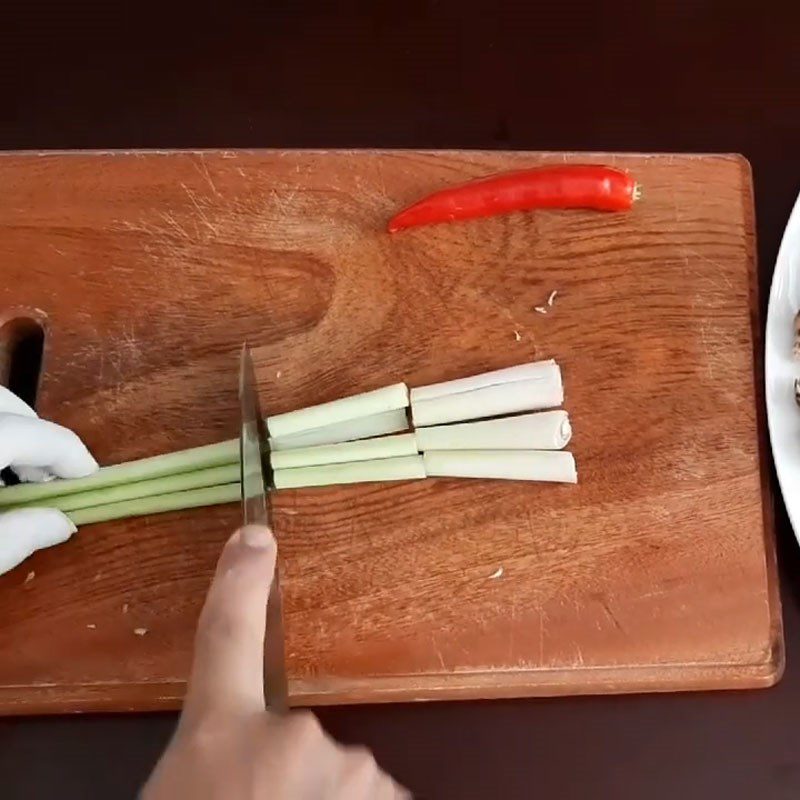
{"points": [[655, 573]]}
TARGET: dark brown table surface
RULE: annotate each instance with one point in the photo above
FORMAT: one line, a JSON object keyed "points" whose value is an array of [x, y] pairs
{"points": [[688, 76]]}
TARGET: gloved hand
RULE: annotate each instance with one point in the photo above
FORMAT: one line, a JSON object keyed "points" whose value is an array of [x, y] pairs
{"points": [[36, 450], [228, 746]]}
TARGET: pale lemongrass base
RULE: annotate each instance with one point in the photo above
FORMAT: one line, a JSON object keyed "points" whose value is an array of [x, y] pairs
{"points": [[547, 430], [532, 394], [514, 465]]}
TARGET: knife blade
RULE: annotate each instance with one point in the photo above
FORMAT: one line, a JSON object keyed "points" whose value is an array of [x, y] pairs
{"points": [[256, 477]]}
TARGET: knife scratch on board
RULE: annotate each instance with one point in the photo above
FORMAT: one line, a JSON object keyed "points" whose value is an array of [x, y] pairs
{"points": [[193, 199], [438, 652], [203, 170], [170, 220], [542, 621], [610, 614]]}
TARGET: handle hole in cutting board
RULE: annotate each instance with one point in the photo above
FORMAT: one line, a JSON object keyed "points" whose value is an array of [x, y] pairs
{"points": [[21, 349]]}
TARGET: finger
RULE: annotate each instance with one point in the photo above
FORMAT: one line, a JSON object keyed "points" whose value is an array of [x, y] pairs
{"points": [[32, 442], [26, 530], [228, 671], [361, 777], [33, 474], [11, 404]]}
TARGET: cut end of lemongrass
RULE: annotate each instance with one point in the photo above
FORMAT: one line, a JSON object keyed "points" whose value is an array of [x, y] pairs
{"points": [[545, 430], [362, 428], [389, 398], [564, 434], [553, 466], [404, 444], [403, 468]]}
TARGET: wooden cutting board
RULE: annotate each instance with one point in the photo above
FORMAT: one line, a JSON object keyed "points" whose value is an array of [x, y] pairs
{"points": [[656, 572]]}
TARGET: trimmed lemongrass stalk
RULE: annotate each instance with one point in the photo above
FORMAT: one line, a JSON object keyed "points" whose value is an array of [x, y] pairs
{"points": [[532, 394], [169, 484], [513, 465], [521, 372], [405, 444], [176, 501], [361, 428], [403, 468], [365, 404], [196, 458], [547, 430], [210, 455]]}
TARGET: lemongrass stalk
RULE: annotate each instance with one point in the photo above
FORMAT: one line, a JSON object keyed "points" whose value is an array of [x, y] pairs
{"points": [[199, 479], [197, 458], [210, 455], [533, 394], [405, 444], [521, 372], [389, 398], [386, 469], [547, 430], [176, 501], [361, 428], [514, 465]]}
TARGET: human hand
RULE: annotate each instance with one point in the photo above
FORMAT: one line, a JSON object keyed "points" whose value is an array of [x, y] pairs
{"points": [[36, 450], [228, 745]]}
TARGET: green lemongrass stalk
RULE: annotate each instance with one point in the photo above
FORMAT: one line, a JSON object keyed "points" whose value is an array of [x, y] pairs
{"points": [[361, 428], [145, 469], [401, 468], [176, 501], [169, 484], [196, 458], [405, 444], [389, 398]]}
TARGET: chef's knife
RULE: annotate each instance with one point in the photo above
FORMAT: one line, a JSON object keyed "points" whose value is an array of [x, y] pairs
{"points": [[257, 510]]}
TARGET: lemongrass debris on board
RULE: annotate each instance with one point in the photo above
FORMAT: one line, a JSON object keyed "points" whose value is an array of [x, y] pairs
{"points": [[402, 468], [545, 430], [404, 444], [534, 394], [389, 398], [515, 465], [362, 428]]}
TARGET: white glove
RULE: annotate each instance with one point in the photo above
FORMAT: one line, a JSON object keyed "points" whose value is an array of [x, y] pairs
{"points": [[36, 450]]}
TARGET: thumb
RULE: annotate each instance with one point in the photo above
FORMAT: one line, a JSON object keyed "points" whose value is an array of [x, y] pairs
{"points": [[228, 670], [26, 530]]}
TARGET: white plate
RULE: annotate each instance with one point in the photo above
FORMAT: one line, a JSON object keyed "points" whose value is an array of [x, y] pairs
{"points": [[781, 368]]}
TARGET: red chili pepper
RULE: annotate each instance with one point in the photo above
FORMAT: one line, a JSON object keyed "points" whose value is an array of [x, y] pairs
{"points": [[564, 186]]}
